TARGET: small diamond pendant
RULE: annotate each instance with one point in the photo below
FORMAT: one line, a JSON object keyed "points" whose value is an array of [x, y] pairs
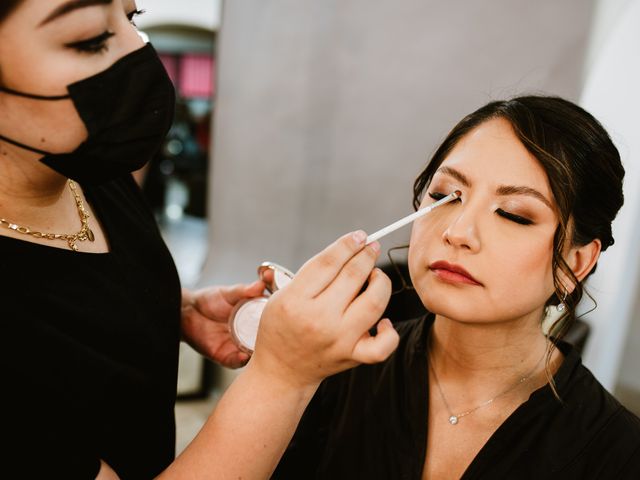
{"points": [[453, 420]]}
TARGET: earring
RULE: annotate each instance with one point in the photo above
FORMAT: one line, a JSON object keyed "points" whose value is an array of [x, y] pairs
{"points": [[553, 314]]}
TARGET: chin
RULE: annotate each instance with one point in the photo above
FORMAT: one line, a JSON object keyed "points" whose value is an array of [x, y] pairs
{"points": [[451, 306]]}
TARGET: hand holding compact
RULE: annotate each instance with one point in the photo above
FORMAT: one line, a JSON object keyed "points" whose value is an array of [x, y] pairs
{"points": [[205, 314]]}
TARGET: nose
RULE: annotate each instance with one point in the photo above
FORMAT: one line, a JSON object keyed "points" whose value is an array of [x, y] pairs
{"points": [[128, 35], [462, 232]]}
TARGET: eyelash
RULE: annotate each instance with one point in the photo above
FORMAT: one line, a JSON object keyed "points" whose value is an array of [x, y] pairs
{"points": [[439, 196], [93, 45], [134, 14], [99, 44], [509, 216]]}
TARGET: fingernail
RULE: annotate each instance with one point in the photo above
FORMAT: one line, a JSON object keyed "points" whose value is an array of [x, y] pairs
{"points": [[359, 236], [375, 246]]}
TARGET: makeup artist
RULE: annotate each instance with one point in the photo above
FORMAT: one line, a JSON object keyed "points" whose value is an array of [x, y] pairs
{"points": [[482, 386], [92, 310]]}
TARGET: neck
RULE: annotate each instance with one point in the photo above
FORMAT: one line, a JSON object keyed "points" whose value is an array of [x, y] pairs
{"points": [[32, 194], [26, 180], [485, 356]]}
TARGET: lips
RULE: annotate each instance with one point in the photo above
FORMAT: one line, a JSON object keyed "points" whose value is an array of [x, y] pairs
{"points": [[452, 273]]}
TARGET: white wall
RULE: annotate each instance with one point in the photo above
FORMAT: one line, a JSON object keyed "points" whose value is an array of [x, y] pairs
{"points": [[193, 13], [612, 94], [327, 110]]}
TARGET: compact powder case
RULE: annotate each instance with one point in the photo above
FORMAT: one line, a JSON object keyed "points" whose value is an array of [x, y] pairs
{"points": [[280, 279], [245, 316], [244, 322]]}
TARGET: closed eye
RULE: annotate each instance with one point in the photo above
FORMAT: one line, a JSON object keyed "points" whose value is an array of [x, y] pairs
{"points": [[503, 213], [513, 217], [439, 196]]}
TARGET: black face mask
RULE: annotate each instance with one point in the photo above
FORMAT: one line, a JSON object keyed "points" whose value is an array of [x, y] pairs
{"points": [[127, 109]]}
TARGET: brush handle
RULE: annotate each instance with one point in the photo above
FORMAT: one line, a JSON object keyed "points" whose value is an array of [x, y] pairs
{"points": [[410, 218]]}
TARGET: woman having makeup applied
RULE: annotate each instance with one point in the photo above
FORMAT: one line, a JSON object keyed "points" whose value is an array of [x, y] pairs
{"points": [[476, 389], [92, 309]]}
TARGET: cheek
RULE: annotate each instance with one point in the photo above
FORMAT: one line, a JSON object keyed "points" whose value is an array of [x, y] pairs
{"points": [[522, 272], [67, 138], [50, 126], [423, 235]]}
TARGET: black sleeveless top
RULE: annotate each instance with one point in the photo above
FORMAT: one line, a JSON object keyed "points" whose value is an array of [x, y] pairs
{"points": [[371, 423], [90, 351]]}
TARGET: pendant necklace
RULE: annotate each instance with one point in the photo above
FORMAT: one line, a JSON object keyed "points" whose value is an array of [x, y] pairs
{"points": [[454, 418], [82, 235]]}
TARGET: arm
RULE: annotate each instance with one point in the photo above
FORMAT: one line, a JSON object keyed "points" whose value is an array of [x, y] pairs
{"points": [[316, 326], [246, 434], [248, 431]]}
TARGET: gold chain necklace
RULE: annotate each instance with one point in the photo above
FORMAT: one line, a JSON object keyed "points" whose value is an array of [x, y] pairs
{"points": [[455, 418], [84, 234]]}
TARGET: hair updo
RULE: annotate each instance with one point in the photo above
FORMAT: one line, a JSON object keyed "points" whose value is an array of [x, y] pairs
{"points": [[6, 7], [581, 162]]}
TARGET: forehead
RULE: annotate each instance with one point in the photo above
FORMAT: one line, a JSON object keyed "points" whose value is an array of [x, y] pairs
{"points": [[492, 154], [38, 10]]}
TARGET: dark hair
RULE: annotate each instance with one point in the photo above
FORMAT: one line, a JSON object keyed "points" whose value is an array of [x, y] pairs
{"points": [[6, 7], [583, 167]]}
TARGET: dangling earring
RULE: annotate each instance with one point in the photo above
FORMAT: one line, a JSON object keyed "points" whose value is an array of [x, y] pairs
{"points": [[553, 314]]}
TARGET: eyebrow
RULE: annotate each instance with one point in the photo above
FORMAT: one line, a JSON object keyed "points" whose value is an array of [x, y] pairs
{"points": [[71, 6], [501, 190]]}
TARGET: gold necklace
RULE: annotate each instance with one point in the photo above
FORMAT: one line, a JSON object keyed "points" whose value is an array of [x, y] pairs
{"points": [[455, 418], [84, 234]]}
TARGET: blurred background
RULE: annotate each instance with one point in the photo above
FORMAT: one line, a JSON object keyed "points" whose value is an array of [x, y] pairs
{"points": [[300, 120]]}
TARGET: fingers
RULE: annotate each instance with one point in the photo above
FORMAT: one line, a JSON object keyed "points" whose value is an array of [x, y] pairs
{"points": [[376, 349], [229, 355], [235, 360], [254, 289], [317, 273], [348, 284], [368, 307], [235, 293]]}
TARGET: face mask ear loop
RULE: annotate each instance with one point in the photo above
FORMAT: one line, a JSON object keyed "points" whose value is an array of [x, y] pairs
{"points": [[23, 146], [34, 97]]}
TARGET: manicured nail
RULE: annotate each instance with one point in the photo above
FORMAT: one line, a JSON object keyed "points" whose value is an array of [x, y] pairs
{"points": [[384, 321], [359, 236], [375, 246]]}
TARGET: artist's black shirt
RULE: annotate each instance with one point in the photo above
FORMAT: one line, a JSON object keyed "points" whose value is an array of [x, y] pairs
{"points": [[371, 423], [90, 349]]}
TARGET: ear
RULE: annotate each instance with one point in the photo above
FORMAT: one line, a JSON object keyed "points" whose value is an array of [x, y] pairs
{"points": [[582, 259]]}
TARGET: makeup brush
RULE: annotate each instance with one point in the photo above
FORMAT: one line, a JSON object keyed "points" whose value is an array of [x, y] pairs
{"points": [[410, 218]]}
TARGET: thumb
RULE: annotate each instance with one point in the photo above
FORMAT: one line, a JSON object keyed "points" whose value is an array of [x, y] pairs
{"points": [[371, 349], [235, 293]]}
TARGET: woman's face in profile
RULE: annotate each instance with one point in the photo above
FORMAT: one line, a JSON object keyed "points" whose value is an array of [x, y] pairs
{"points": [[45, 45], [487, 257]]}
